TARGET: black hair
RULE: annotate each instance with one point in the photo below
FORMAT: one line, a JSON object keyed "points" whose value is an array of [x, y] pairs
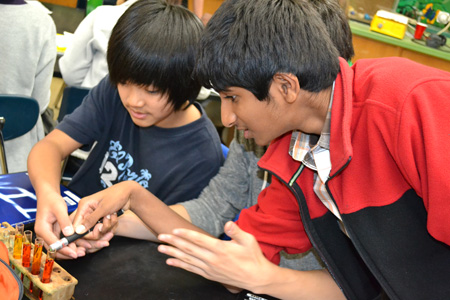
{"points": [[154, 43], [247, 42], [337, 25]]}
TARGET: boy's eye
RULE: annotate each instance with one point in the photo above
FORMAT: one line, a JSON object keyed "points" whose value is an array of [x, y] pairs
{"points": [[153, 92], [231, 98]]}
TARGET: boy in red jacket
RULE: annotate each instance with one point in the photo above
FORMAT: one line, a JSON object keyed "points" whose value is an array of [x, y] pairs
{"points": [[358, 154]]}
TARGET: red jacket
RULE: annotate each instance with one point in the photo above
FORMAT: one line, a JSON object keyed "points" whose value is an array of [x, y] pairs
{"points": [[390, 155]]}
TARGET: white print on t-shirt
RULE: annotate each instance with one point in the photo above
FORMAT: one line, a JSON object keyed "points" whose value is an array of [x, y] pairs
{"points": [[116, 167]]}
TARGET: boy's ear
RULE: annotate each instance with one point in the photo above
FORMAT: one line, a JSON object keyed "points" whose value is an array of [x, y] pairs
{"points": [[287, 85]]}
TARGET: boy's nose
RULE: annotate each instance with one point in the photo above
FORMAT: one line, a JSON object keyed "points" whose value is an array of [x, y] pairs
{"points": [[227, 114], [135, 98]]}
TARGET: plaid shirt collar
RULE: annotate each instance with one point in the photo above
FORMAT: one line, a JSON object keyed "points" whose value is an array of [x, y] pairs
{"points": [[303, 146]]}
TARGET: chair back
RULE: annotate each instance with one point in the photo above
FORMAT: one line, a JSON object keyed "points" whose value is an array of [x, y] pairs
{"points": [[225, 150], [72, 98], [21, 114], [18, 115]]}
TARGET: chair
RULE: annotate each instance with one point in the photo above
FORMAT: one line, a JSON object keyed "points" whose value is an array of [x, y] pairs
{"points": [[225, 150], [19, 115], [72, 98]]}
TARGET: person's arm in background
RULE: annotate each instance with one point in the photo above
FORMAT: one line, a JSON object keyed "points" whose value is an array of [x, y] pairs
{"points": [[226, 194], [44, 169], [129, 195], [45, 68], [77, 59], [235, 187], [198, 8], [130, 225]]}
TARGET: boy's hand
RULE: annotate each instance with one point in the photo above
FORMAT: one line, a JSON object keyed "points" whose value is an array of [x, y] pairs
{"points": [[100, 235], [49, 221], [236, 263], [102, 204]]}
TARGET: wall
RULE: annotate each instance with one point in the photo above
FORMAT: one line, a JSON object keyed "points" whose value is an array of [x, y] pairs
{"points": [[210, 6]]}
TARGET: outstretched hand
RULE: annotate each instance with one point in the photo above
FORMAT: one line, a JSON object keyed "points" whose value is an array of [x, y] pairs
{"points": [[102, 204], [97, 239], [235, 263]]}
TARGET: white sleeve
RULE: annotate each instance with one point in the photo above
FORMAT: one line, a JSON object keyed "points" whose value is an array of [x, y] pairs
{"points": [[77, 59], [45, 68]]}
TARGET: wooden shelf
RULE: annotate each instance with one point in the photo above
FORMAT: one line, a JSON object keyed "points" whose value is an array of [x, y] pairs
{"points": [[69, 3], [369, 44]]}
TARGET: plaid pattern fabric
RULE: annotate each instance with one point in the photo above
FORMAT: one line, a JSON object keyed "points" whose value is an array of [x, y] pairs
{"points": [[314, 152]]}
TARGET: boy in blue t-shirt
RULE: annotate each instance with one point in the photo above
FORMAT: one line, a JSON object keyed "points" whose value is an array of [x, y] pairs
{"points": [[142, 117]]}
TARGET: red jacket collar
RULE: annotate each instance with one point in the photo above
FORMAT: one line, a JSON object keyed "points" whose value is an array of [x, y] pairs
{"points": [[341, 149]]}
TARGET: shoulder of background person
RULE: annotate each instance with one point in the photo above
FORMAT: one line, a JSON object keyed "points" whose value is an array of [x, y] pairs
{"points": [[32, 13], [104, 17]]}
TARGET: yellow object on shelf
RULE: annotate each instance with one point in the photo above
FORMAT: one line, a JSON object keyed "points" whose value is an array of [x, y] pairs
{"points": [[389, 23], [60, 44], [63, 41]]}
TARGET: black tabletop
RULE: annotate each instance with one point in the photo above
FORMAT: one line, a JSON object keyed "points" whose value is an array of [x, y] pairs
{"points": [[134, 269]]}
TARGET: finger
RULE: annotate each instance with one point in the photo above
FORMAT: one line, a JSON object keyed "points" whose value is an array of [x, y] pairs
{"points": [[100, 204], [233, 289], [50, 236], [84, 243], [64, 222], [85, 207], [96, 232], [183, 261], [180, 254], [61, 255], [238, 235], [188, 251], [99, 244], [81, 251], [46, 231], [188, 267], [102, 243], [199, 239], [89, 221], [96, 245], [47, 227], [106, 223], [95, 239], [114, 220], [67, 253], [107, 237]]}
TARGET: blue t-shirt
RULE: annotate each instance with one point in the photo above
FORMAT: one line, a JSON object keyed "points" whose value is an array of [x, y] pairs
{"points": [[175, 164]]}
